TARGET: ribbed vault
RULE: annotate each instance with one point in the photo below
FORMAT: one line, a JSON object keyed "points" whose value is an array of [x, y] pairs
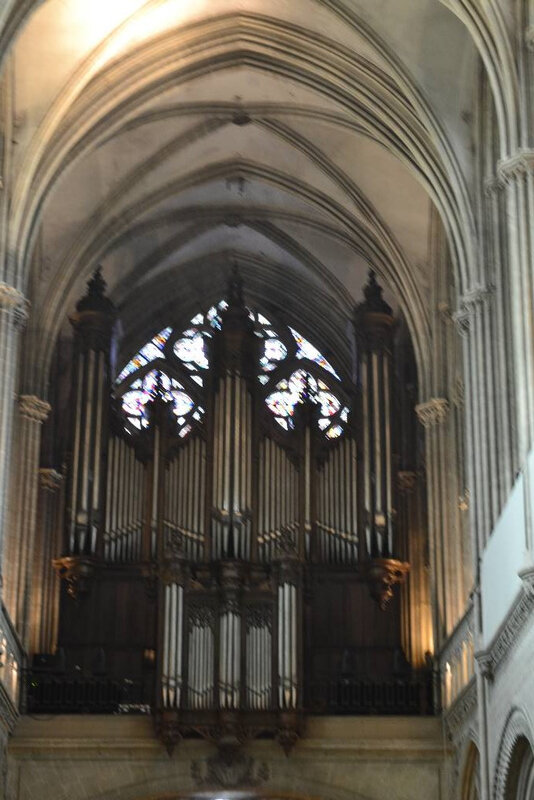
{"points": [[305, 139]]}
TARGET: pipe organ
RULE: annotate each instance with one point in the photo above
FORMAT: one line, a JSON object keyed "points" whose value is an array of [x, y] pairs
{"points": [[223, 478]]}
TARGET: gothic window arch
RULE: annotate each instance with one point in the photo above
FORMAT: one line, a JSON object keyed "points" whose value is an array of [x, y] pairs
{"points": [[520, 779], [175, 362]]}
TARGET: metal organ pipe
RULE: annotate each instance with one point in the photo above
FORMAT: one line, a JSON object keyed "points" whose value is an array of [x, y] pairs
{"points": [[287, 645], [277, 499], [172, 674], [184, 500], [337, 503], [232, 484], [124, 503]]}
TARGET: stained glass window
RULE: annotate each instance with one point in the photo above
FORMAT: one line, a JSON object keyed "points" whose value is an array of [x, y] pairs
{"points": [[151, 351], [293, 390], [143, 390], [305, 349], [191, 349], [191, 353]]}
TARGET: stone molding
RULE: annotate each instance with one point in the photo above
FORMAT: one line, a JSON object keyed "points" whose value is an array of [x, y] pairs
{"points": [[12, 301], [432, 412], [515, 727], [8, 712], [50, 479], [516, 166], [491, 659], [463, 631], [33, 408], [462, 709]]}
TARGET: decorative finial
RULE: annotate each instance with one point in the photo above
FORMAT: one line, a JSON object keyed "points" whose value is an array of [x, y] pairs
{"points": [[95, 298], [235, 287], [96, 286], [373, 296]]}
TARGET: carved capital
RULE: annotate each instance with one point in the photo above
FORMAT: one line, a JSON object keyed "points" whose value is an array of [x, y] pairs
{"points": [[50, 479], [493, 186], [516, 166], [462, 320], [527, 577], [471, 304], [486, 663], [433, 412], [33, 408], [13, 302]]}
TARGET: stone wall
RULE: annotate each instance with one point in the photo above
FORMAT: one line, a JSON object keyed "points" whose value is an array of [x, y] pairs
{"points": [[112, 757]]}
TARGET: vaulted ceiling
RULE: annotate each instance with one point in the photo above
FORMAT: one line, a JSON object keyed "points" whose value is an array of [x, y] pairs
{"points": [[307, 139]]}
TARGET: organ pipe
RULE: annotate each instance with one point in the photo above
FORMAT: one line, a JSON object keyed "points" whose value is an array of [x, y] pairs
{"points": [[236, 353], [337, 505], [124, 505]]}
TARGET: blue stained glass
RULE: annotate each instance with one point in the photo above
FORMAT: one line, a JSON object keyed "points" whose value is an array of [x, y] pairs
{"points": [[148, 353], [305, 349]]}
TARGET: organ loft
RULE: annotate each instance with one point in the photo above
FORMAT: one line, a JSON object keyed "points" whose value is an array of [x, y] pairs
{"points": [[240, 532]]}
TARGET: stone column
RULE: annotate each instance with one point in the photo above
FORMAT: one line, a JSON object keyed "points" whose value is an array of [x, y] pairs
{"points": [[475, 321], [13, 315], [20, 542], [433, 414], [517, 174], [44, 612]]}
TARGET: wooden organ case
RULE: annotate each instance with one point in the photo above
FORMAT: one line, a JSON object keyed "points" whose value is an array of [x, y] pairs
{"points": [[219, 561]]}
